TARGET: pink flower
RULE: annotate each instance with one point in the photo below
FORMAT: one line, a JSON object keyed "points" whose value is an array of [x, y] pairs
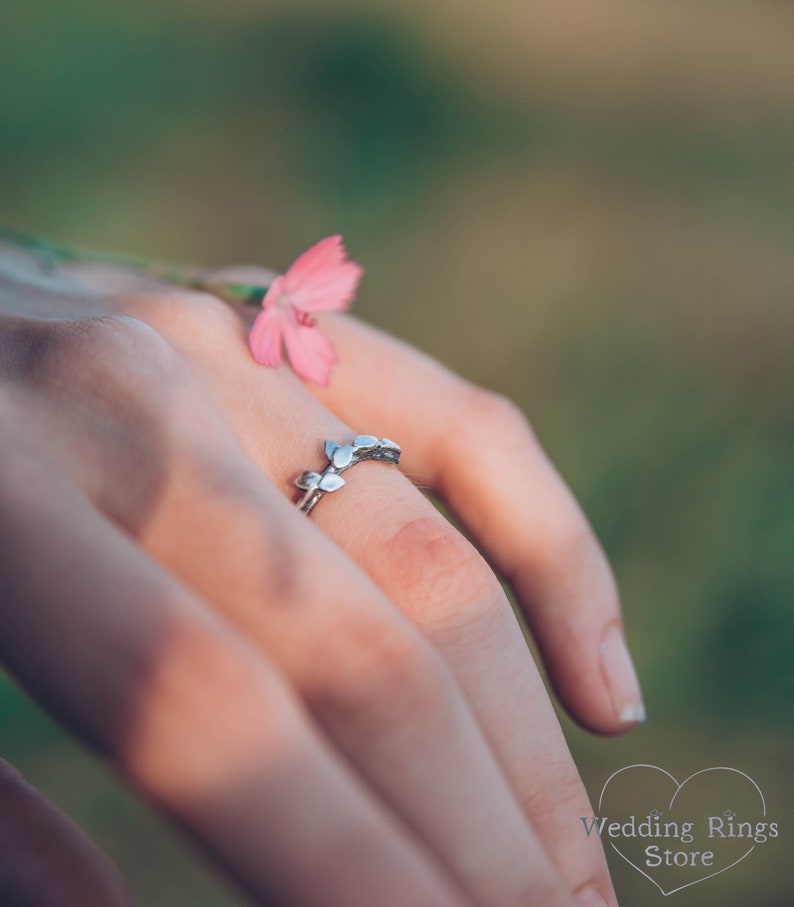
{"points": [[320, 280]]}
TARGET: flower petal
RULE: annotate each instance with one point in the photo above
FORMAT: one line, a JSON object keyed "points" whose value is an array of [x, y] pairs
{"points": [[274, 292], [328, 253], [266, 334], [311, 353], [322, 279]]}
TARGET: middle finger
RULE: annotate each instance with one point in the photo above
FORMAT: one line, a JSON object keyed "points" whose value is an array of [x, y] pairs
{"points": [[441, 583]]}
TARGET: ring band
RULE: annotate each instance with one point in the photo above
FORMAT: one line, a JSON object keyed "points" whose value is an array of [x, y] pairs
{"points": [[341, 457]]}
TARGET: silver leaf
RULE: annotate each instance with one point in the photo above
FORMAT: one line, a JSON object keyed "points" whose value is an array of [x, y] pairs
{"points": [[365, 442], [342, 456], [331, 482]]}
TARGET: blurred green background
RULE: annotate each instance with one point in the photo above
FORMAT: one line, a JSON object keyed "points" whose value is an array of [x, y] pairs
{"points": [[586, 206]]}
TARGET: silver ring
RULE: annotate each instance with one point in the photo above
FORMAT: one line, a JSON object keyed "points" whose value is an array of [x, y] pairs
{"points": [[341, 457]]}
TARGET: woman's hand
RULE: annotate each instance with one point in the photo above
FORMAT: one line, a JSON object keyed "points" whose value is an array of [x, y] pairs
{"points": [[341, 709]]}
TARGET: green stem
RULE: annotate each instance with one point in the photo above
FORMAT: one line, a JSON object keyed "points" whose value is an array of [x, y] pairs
{"points": [[53, 253]]}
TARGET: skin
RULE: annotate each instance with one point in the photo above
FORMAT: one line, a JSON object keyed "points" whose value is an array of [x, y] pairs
{"points": [[342, 709]]}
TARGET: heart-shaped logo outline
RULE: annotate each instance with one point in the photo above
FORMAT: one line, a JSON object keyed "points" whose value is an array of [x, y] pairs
{"points": [[714, 768]]}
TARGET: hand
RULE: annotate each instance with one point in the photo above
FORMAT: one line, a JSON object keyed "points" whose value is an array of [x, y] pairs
{"points": [[341, 705]]}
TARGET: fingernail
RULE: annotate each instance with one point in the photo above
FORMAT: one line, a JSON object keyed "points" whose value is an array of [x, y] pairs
{"points": [[621, 678], [590, 897]]}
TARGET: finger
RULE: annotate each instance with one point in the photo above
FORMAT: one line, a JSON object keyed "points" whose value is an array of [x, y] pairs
{"points": [[446, 589], [188, 710], [450, 593], [45, 860], [381, 692], [476, 449]]}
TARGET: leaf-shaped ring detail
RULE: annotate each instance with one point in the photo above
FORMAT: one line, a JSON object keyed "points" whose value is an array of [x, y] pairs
{"points": [[341, 457]]}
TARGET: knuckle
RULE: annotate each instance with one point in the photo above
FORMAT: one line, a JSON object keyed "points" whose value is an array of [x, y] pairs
{"points": [[35, 349], [449, 584], [375, 669], [101, 397], [206, 672], [221, 680], [96, 353], [476, 416], [485, 409], [192, 316], [118, 345]]}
